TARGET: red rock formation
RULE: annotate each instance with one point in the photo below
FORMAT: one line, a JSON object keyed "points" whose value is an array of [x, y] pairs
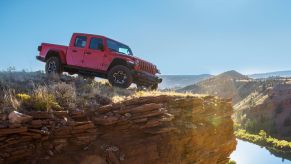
{"points": [[164, 129]]}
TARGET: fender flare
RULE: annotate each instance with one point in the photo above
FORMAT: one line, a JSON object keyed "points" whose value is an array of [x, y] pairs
{"points": [[58, 53]]}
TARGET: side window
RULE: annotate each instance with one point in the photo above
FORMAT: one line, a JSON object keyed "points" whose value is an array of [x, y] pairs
{"points": [[96, 44], [80, 41]]}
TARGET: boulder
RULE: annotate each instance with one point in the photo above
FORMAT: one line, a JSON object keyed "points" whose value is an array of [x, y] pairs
{"points": [[18, 118]]}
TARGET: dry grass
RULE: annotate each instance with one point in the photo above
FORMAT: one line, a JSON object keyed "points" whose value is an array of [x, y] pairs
{"points": [[9, 101], [34, 91], [65, 94], [143, 93], [43, 100]]}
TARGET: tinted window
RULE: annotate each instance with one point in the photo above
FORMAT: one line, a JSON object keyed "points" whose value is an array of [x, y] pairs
{"points": [[118, 47], [96, 44], [80, 41]]}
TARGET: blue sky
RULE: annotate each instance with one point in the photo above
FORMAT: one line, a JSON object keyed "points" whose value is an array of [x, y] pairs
{"points": [[180, 36]]}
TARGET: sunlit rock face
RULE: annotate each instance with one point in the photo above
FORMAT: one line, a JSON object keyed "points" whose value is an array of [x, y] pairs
{"points": [[163, 129]]}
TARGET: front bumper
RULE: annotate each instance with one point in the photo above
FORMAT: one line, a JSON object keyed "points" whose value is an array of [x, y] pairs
{"points": [[146, 78], [40, 58]]}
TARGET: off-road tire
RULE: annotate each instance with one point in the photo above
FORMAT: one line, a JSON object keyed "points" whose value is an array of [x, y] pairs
{"points": [[53, 66], [120, 76]]}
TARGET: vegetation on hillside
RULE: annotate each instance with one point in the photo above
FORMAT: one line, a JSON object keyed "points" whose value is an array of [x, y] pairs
{"points": [[275, 145]]}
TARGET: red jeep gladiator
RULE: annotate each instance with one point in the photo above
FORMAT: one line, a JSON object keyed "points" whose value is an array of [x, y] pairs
{"points": [[98, 56]]}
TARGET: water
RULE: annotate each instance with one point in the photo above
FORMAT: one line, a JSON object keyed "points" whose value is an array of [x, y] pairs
{"points": [[248, 153]]}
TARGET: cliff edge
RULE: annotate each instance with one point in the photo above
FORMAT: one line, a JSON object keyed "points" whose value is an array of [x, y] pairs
{"points": [[151, 129]]}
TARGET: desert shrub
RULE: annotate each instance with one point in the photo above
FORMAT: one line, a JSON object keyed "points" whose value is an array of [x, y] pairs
{"points": [[42, 100], [23, 97], [65, 95], [9, 101]]}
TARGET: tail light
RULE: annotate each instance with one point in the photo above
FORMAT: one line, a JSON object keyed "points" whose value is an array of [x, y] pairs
{"points": [[39, 48]]}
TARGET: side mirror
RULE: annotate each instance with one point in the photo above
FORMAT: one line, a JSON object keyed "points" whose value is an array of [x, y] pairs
{"points": [[101, 47]]}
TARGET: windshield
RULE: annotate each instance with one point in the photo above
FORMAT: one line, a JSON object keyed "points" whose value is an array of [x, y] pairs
{"points": [[118, 47]]}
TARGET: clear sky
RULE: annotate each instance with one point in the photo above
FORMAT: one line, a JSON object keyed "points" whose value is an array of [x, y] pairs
{"points": [[180, 36]]}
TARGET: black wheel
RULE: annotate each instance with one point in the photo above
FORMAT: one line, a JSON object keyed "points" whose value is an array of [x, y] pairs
{"points": [[53, 66], [120, 76]]}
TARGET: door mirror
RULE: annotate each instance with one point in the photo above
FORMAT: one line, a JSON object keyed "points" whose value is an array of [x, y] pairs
{"points": [[101, 47]]}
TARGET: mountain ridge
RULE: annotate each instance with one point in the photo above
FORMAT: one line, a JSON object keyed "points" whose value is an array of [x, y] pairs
{"points": [[286, 73]]}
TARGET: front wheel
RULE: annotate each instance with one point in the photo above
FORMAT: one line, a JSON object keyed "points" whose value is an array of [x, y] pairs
{"points": [[53, 66], [120, 76]]}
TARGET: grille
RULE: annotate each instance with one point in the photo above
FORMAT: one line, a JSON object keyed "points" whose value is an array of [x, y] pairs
{"points": [[147, 67]]}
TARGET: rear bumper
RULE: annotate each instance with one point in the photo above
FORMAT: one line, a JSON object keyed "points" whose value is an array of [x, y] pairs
{"points": [[147, 78], [40, 58]]}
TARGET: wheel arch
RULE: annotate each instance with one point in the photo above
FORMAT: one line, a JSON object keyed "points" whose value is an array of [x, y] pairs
{"points": [[56, 53], [120, 61]]}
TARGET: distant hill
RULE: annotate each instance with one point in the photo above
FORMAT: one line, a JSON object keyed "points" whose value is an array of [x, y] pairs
{"points": [[229, 84], [231, 75], [259, 104], [180, 81], [271, 74], [268, 108]]}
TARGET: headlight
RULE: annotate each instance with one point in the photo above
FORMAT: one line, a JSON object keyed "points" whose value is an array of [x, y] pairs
{"points": [[131, 62]]}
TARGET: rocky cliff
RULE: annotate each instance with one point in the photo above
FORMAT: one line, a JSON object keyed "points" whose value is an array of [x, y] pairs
{"points": [[162, 129]]}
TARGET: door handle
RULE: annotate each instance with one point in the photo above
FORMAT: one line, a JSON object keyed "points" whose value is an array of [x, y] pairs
{"points": [[88, 53], [74, 50]]}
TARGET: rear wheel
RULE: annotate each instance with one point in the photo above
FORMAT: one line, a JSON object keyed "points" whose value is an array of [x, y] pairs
{"points": [[53, 66], [120, 76]]}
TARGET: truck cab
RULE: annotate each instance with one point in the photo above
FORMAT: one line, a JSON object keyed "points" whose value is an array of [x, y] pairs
{"points": [[99, 56]]}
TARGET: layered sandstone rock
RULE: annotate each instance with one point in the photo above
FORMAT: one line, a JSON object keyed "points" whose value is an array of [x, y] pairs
{"points": [[163, 129]]}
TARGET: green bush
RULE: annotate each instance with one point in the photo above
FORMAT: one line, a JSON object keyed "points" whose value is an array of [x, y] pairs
{"points": [[42, 100], [263, 139]]}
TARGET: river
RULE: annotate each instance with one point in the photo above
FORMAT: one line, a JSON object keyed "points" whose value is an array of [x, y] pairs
{"points": [[248, 153]]}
